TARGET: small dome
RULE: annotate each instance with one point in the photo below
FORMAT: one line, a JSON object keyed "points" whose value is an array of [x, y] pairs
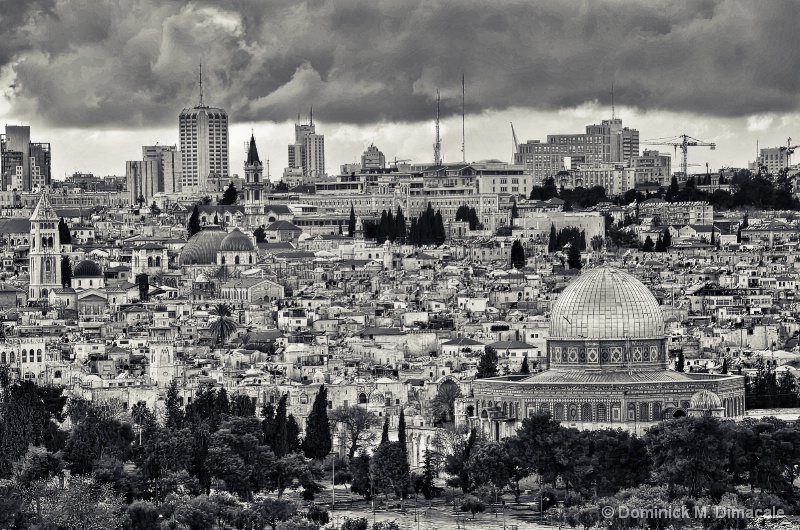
{"points": [[705, 400], [201, 249], [87, 269], [236, 241], [606, 303]]}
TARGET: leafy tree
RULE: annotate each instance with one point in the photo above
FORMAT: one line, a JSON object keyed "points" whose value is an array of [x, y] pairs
{"points": [[64, 234], [193, 225], [517, 255], [361, 483], [690, 455], [390, 469], [99, 433], [230, 195], [456, 462], [318, 443], [648, 245], [294, 471], [620, 460], [351, 223], [141, 515], [237, 456], [357, 424], [487, 364], [163, 454], [224, 325], [260, 234], [444, 403], [242, 406], [473, 505], [84, 503], [489, 464], [155, 210], [574, 257], [274, 511]]}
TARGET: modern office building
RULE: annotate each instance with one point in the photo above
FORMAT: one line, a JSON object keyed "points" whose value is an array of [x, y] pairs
{"points": [[203, 146], [170, 166], [774, 159], [307, 153], [608, 142], [373, 158], [24, 165], [141, 178]]}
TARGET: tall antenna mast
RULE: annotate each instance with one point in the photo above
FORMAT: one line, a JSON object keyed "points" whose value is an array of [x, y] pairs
{"points": [[201, 84], [311, 115], [437, 147], [463, 135], [613, 109]]}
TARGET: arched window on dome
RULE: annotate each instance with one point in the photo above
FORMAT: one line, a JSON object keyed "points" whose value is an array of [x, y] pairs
{"points": [[559, 412], [601, 412], [586, 412], [644, 412]]}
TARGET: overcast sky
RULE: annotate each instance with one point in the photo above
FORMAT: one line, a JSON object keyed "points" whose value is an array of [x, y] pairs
{"points": [[100, 78]]}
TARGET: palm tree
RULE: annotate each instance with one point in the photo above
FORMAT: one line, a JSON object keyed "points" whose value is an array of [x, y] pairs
{"points": [[444, 404], [224, 325]]}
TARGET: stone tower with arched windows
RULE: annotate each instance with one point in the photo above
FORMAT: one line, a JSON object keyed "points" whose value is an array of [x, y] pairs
{"points": [[44, 254], [253, 179]]}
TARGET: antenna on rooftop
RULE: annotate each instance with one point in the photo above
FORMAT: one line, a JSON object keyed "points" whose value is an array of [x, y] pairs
{"points": [[201, 84], [613, 109], [463, 114], [437, 147]]}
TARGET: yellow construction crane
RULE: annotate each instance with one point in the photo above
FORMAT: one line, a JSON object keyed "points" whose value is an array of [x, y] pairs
{"points": [[684, 142]]}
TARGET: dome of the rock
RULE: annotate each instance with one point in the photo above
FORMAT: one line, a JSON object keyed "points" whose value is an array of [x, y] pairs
{"points": [[606, 303]]}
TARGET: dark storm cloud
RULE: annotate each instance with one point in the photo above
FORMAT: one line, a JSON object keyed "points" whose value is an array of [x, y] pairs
{"points": [[134, 63]]}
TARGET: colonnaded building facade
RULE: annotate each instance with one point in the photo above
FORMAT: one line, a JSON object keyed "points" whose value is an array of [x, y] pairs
{"points": [[608, 368]]}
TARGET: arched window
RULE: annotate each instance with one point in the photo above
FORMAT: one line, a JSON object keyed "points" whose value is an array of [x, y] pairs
{"points": [[644, 412], [3, 357], [44, 293], [544, 407], [223, 260], [236, 260], [158, 261], [38, 356], [586, 412], [250, 259], [47, 265], [12, 357], [24, 356], [50, 242], [362, 398], [44, 242], [656, 411], [149, 261], [559, 412], [57, 374], [601, 412]]}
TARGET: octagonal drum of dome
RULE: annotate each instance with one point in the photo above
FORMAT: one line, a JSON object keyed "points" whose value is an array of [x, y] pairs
{"points": [[606, 303]]}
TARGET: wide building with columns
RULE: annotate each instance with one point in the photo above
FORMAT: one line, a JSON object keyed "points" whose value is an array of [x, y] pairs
{"points": [[608, 367]]}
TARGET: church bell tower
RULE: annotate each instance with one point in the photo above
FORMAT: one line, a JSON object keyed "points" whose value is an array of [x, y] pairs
{"points": [[45, 251], [253, 179]]}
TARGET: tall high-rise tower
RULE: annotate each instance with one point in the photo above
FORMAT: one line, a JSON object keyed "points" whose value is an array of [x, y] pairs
{"points": [[253, 177], [24, 165], [204, 144], [45, 251], [308, 151]]}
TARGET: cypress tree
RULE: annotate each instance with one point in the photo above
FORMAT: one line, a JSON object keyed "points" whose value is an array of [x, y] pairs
{"points": [[174, 419], [400, 225], [318, 442], [439, 233], [268, 425], [390, 227], [401, 430], [680, 364], [667, 239], [292, 434], [385, 431], [66, 271], [194, 222], [222, 403], [64, 235], [487, 364], [351, 223], [553, 241], [517, 255], [281, 432], [525, 369], [574, 257]]}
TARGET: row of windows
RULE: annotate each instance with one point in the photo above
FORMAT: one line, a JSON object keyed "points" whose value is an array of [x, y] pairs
{"points": [[25, 356]]}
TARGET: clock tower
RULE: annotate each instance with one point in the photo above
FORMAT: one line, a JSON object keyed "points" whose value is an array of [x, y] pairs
{"points": [[45, 251]]}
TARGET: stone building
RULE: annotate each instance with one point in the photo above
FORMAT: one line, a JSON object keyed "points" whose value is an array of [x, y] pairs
{"points": [[608, 367]]}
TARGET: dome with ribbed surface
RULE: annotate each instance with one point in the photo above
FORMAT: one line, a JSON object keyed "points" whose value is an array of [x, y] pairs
{"points": [[201, 249], [705, 400], [87, 269], [236, 241], [606, 303]]}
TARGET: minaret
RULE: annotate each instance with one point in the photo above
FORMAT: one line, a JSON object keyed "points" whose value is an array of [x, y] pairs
{"points": [[45, 251], [253, 178]]}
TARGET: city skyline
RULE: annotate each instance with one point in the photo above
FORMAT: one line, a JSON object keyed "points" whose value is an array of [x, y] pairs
{"points": [[718, 71]]}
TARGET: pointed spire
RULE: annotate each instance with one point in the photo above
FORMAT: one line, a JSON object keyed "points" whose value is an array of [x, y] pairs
{"points": [[252, 152], [44, 210]]}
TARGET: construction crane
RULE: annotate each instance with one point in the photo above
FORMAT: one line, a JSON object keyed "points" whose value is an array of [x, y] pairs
{"points": [[789, 150], [396, 161], [684, 142], [515, 143]]}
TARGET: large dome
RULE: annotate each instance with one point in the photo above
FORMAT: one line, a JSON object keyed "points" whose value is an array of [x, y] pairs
{"points": [[87, 269], [201, 249], [236, 241], [606, 303]]}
